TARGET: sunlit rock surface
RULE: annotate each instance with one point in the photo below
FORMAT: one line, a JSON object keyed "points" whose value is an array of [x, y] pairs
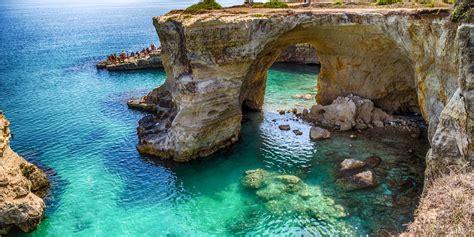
{"points": [[22, 186], [299, 53], [345, 113], [401, 59]]}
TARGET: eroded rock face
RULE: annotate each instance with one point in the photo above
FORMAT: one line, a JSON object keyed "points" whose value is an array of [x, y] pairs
{"points": [[452, 143], [22, 186], [402, 60], [299, 53]]}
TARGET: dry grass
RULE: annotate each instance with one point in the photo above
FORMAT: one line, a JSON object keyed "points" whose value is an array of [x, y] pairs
{"points": [[446, 208]]}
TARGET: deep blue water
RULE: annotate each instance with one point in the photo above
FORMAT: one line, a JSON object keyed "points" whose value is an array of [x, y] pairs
{"points": [[73, 120]]}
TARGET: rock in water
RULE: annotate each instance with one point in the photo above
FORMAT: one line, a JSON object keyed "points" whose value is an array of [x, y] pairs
{"points": [[22, 185], [340, 113], [351, 164], [284, 194], [373, 161], [348, 112], [361, 180], [254, 178], [317, 133], [284, 127], [297, 132]]}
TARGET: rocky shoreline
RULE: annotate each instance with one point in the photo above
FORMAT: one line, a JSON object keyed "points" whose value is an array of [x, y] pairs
{"points": [[22, 187], [210, 87], [216, 70], [150, 61], [298, 53]]}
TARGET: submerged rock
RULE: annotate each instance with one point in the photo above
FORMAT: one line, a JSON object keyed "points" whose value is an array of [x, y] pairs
{"points": [[303, 97], [283, 194], [22, 185], [254, 178], [373, 161], [317, 133], [361, 180]]}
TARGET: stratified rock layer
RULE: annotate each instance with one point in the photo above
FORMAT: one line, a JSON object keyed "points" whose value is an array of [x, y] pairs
{"points": [[401, 59], [21, 185], [299, 53]]}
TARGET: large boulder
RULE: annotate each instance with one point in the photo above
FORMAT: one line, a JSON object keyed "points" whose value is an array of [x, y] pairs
{"points": [[317, 133], [341, 113], [351, 164], [348, 112], [361, 180]]}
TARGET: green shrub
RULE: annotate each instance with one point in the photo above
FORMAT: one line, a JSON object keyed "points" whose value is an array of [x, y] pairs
{"points": [[339, 2], [204, 5], [461, 11], [387, 2], [275, 4], [257, 5]]}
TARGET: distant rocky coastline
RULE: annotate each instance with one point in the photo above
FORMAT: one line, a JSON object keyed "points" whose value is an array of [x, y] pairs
{"points": [[298, 53], [22, 187], [149, 60]]}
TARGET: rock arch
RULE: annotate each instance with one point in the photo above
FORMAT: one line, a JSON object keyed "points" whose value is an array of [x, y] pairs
{"points": [[355, 59], [217, 61]]}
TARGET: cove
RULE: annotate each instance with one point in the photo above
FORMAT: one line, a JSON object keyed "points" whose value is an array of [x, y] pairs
{"points": [[73, 121]]}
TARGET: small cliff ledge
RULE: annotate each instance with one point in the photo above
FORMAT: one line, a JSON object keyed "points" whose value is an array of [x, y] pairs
{"points": [[404, 60], [152, 60], [22, 187]]}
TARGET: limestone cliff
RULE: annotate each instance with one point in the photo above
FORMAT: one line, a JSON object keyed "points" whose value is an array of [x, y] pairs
{"points": [[299, 53], [216, 63], [21, 186]]}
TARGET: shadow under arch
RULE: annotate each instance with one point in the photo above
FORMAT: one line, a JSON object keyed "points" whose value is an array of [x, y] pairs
{"points": [[355, 59]]}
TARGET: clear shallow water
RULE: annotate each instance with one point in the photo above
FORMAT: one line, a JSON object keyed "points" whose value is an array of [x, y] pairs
{"points": [[73, 119]]}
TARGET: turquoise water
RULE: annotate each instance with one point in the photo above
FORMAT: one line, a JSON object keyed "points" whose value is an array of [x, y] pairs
{"points": [[73, 120]]}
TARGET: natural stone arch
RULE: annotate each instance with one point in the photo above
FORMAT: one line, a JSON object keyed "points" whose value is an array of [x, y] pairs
{"points": [[355, 59], [209, 59]]}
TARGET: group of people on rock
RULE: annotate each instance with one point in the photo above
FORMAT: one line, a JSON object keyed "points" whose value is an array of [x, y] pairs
{"points": [[114, 58]]}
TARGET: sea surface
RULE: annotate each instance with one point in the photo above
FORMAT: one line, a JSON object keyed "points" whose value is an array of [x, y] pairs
{"points": [[72, 120]]}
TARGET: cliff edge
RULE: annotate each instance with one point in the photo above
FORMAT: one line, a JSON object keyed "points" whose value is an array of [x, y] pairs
{"points": [[22, 187]]}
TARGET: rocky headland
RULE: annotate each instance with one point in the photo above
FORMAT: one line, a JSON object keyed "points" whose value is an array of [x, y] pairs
{"points": [[22, 187], [394, 57], [148, 61], [375, 63], [299, 53]]}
